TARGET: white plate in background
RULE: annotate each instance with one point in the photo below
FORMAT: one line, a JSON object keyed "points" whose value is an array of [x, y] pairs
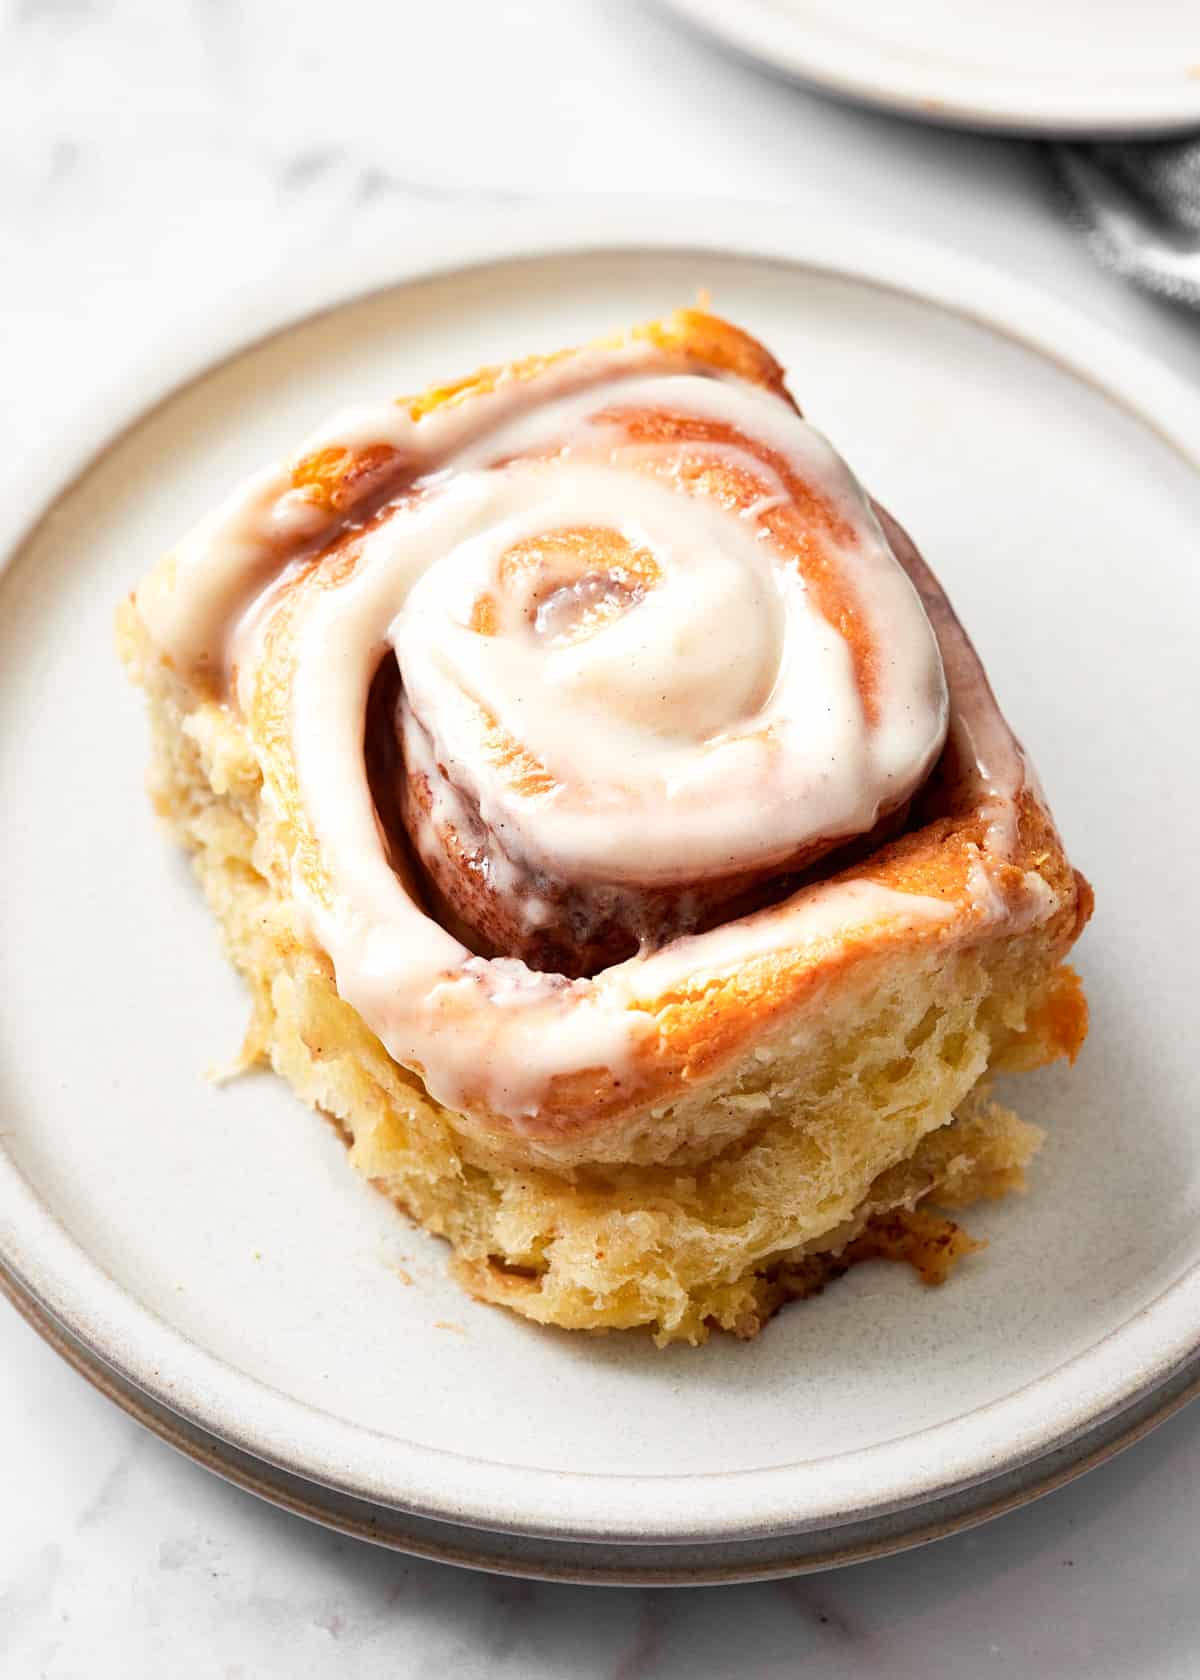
{"points": [[213, 1246], [1066, 67]]}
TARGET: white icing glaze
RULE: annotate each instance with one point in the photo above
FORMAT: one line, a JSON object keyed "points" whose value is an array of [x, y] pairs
{"points": [[497, 1031], [192, 602], [657, 716], [715, 725]]}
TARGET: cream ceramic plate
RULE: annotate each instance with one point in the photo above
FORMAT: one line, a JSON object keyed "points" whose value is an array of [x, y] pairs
{"points": [[213, 1247], [1069, 67], [624, 1563]]}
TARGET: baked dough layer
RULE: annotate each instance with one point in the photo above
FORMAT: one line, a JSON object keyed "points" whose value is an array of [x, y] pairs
{"points": [[800, 1082], [875, 1101]]}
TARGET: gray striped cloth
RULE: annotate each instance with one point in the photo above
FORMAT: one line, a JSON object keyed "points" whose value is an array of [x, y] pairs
{"points": [[1138, 206]]}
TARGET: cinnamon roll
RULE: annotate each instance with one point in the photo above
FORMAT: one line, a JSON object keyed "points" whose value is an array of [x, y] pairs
{"points": [[616, 830]]}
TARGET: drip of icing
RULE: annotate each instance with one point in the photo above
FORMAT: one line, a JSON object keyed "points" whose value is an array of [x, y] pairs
{"points": [[494, 1036], [192, 603]]}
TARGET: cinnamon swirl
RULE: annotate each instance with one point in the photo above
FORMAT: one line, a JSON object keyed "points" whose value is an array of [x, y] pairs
{"points": [[616, 830]]}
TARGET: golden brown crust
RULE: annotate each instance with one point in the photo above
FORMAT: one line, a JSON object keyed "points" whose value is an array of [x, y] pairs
{"points": [[342, 479], [787, 1112], [710, 1024]]}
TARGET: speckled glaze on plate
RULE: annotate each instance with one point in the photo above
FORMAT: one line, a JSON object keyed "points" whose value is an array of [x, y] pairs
{"points": [[212, 1246], [1073, 68]]}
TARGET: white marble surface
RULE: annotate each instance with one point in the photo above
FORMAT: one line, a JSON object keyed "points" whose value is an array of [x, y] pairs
{"points": [[155, 155]]}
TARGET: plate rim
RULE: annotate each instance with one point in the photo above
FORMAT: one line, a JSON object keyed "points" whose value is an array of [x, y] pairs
{"points": [[302, 1440], [756, 30], [592, 1564]]}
